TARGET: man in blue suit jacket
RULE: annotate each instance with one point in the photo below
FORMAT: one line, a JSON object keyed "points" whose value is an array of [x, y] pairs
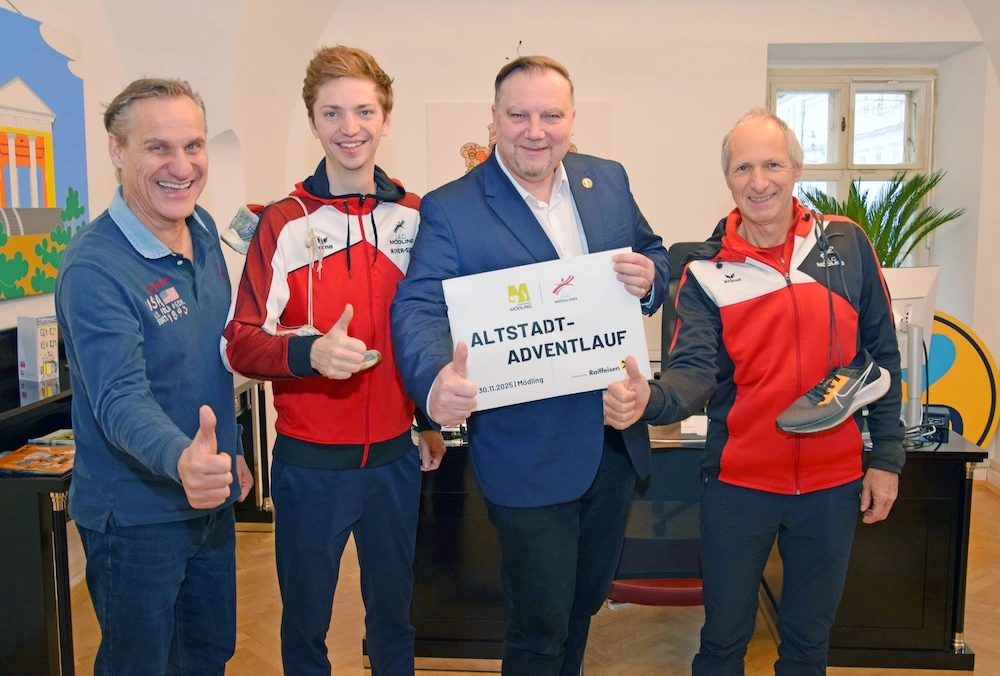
{"points": [[558, 483]]}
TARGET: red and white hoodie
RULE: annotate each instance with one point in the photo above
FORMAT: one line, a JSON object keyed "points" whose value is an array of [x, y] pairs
{"points": [[353, 249]]}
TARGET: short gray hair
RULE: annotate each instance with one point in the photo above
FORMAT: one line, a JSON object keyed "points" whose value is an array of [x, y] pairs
{"points": [[794, 147], [118, 112]]}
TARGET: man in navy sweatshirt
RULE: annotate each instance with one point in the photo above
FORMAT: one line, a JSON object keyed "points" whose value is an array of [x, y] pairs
{"points": [[142, 299]]}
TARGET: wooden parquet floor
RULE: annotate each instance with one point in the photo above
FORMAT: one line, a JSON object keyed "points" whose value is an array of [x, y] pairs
{"points": [[632, 641]]}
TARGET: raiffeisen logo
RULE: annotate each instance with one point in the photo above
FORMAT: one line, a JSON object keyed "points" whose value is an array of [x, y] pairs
{"points": [[518, 296]]}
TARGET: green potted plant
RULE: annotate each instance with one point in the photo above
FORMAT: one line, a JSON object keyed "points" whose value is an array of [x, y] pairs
{"points": [[894, 217]]}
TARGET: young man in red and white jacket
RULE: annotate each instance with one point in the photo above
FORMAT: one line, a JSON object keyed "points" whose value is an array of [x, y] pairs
{"points": [[778, 298], [312, 315]]}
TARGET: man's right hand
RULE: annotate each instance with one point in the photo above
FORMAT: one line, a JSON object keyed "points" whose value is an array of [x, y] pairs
{"points": [[625, 400], [336, 355], [453, 395], [205, 473]]}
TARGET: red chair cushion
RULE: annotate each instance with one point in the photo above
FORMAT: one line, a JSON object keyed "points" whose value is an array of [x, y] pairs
{"points": [[672, 592]]}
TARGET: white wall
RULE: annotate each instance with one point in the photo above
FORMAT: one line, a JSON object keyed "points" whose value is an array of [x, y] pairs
{"points": [[961, 107], [678, 74]]}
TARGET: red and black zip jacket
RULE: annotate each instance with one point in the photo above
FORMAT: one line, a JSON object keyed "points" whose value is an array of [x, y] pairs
{"points": [[753, 334], [360, 251]]}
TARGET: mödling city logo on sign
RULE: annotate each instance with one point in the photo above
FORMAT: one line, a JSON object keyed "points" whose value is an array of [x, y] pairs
{"points": [[518, 296]]}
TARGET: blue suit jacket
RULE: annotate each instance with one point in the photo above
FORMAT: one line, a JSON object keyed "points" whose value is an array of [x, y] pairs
{"points": [[542, 452]]}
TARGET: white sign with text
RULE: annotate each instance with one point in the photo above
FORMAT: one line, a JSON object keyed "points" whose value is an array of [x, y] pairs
{"points": [[547, 329]]}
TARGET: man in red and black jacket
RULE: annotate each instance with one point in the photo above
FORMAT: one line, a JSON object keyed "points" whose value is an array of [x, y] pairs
{"points": [[312, 315], [769, 306]]}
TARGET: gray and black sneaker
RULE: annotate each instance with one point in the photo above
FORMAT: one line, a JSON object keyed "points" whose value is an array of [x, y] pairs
{"points": [[835, 398]]}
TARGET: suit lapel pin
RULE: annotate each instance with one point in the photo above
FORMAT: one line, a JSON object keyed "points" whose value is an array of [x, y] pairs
{"points": [[587, 183]]}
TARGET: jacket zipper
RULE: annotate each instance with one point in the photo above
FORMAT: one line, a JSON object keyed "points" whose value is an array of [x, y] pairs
{"points": [[798, 370], [371, 321]]}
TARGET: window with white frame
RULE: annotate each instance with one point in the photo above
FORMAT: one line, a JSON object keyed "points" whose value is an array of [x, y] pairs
{"points": [[862, 125]]}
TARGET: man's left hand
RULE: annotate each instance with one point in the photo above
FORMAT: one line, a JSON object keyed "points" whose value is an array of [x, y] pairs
{"points": [[635, 271], [245, 477], [431, 446], [878, 492]]}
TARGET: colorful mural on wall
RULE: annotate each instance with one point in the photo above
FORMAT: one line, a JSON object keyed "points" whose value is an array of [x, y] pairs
{"points": [[43, 165], [962, 376]]}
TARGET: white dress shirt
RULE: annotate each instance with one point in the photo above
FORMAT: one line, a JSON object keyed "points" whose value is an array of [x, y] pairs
{"points": [[558, 217]]}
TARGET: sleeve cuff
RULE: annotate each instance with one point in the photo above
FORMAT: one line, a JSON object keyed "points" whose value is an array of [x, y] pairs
{"points": [[887, 455], [424, 423], [647, 300], [299, 362], [654, 407], [169, 456]]}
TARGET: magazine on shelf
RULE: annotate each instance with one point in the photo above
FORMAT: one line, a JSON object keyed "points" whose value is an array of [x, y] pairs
{"points": [[57, 438], [33, 459]]}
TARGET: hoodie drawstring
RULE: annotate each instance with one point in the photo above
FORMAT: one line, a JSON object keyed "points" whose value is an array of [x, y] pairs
{"points": [[374, 231], [315, 259]]}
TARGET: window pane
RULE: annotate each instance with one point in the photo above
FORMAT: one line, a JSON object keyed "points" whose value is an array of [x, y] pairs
{"points": [[882, 133], [809, 116], [874, 188], [829, 187]]}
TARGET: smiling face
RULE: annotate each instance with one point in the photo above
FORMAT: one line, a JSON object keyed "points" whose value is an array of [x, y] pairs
{"points": [[163, 160], [348, 119], [761, 175], [533, 119]]}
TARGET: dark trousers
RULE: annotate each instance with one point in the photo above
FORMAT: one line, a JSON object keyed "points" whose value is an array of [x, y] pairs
{"points": [[738, 526], [164, 595], [315, 511], [557, 563]]}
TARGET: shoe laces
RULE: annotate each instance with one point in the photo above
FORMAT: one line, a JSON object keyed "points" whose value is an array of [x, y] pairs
{"points": [[823, 387]]}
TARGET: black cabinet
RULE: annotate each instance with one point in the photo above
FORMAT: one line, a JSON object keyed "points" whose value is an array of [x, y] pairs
{"points": [[904, 600], [36, 620], [256, 512], [458, 609], [36, 623]]}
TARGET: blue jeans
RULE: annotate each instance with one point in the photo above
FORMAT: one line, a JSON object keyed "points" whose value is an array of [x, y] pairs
{"points": [[738, 527], [164, 595], [315, 511]]}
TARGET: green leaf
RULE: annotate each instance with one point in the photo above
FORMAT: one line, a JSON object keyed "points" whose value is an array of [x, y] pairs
{"points": [[61, 235], [895, 219], [13, 270], [8, 291], [49, 256], [73, 208], [42, 283]]}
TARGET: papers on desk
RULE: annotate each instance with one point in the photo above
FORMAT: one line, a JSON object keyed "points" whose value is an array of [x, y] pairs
{"points": [[696, 424]]}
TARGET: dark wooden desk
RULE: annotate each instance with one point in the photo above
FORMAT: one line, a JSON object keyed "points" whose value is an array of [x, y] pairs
{"points": [[904, 601], [36, 620], [458, 608], [36, 623], [903, 604]]}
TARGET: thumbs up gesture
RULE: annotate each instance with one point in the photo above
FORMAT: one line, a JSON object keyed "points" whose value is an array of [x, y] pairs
{"points": [[336, 355], [625, 400], [205, 473], [453, 395]]}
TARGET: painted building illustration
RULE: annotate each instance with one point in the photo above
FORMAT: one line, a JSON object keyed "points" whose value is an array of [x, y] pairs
{"points": [[26, 141], [43, 168]]}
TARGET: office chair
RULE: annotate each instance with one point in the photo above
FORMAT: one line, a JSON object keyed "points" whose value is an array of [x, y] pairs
{"points": [[664, 591]]}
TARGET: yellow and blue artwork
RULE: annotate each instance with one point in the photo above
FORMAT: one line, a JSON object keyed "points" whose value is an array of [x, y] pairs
{"points": [[962, 376], [43, 165]]}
